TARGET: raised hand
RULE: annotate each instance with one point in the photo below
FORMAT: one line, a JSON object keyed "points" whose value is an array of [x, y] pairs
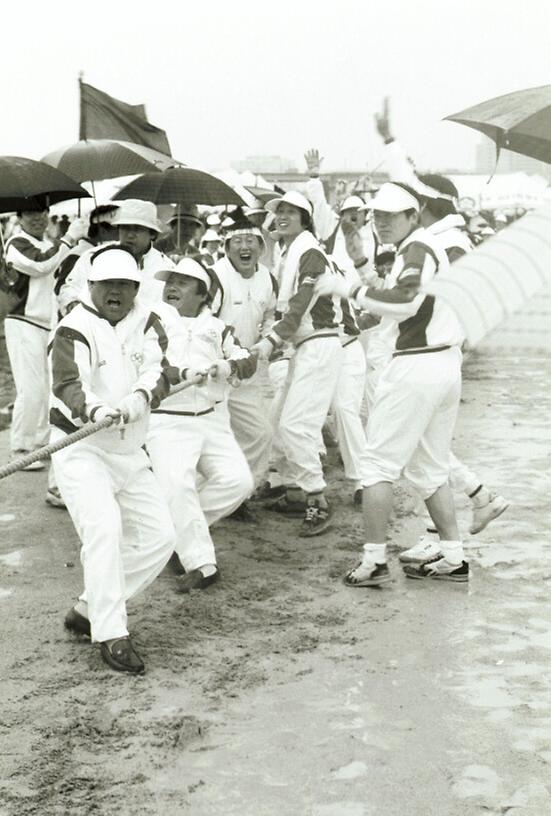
{"points": [[313, 160]]}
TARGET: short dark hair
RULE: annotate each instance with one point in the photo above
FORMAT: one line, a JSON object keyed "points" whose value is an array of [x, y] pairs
{"points": [[440, 207]]}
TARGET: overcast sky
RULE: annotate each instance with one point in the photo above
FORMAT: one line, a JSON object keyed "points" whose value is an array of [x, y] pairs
{"points": [[232, 79]]}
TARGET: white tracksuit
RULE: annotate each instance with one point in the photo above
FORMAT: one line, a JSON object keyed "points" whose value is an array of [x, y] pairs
{"points": [[114, 500], [248, 305], [311, 324], [26, 329], [411, 424], [190, 435]]}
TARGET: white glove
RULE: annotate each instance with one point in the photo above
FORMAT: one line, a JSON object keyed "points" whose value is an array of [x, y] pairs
{"points": [[263, 349], [102, 412], [331, 284], [133, 406], [220, 370], [193, 374], [77, 229]]}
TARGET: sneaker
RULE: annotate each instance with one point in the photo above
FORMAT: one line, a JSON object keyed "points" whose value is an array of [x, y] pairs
{"points": [[439, 568], [358, 497], [367, 574], [54, 499], [291, 509], [424, 550], [266, 492], [482, 516], [38, 465], [316, 520]]}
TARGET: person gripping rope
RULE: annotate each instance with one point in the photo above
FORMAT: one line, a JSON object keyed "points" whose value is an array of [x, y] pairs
{"points": [[107, 360], [190, 443]]}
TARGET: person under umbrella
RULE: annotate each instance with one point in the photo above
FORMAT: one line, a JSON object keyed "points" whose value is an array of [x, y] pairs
{"points": [[185, 227]]}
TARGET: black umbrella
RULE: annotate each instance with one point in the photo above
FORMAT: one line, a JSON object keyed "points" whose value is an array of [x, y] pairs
{"points": [[28, 184], [180, 185], [98, 159], [519, 121]]}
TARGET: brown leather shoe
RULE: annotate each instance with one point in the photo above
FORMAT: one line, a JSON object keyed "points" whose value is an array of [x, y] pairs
{"points": [[122, 656], [196, 580], [76, 623]]}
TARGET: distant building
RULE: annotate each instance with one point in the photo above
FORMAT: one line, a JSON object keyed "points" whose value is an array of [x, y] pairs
{"points": [[509, 162], [265, 164]]}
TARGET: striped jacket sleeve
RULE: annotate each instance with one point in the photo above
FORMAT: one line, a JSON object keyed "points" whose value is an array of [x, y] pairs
{"points": [[312, 265], [72, 373], [30, 260], [152, 376], [243, 363]]}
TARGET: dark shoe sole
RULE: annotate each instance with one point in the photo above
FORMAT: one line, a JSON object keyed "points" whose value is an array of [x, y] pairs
{"points": [[369, 582], [195, 582], [307, 533], [457, 579]]}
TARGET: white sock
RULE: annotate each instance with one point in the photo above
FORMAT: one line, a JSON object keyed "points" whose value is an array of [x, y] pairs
{"points": [[482, 497], [453, 551], [374, 553], [208, 569], [82, 608]]}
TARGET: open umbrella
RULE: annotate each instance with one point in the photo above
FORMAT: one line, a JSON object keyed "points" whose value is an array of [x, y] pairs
{"points": [[264, 195], [24, 180], [519, 121], [97, 159], [180, 185]]}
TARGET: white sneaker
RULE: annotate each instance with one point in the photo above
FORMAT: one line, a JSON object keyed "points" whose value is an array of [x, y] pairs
{"points": [[425, 550], [482, 516]]}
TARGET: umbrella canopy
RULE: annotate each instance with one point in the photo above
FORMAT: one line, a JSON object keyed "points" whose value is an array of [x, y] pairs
{"points": [[488, 284], [519, 121], [263, 195], [97, 159], [24, 181], [180, 185]]}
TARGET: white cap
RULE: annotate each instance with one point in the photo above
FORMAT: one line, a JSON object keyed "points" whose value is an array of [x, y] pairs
{"points": [[136, 212], [113, 263], [189, 268], [213, 220], [210, 235], [291, 197], [352, 202], [393, 198], [501, 217]]}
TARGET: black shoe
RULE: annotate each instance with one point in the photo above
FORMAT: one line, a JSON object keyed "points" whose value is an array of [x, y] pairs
{"points": [[244, 513], [266, 492], [440, 569], [316, 520], [77, 623], [122, 656], [175, 564], [291, 509], [196, 580], [358, 497], [367, 575]]}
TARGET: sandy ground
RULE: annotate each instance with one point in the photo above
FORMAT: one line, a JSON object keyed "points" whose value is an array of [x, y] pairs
{"points": [[281, 692]]}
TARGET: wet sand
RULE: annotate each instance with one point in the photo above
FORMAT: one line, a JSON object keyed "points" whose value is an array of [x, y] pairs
{"points": [[281, 692]]}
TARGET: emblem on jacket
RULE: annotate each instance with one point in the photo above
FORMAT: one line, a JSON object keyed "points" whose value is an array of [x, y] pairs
{"points": [[137, 358]]}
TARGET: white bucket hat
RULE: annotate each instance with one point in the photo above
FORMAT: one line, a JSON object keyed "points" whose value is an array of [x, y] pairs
{"points": [[291, 197], [113, 263], [189, 268], [133, 211], [353, 202], [210, 235], [393, 198]]}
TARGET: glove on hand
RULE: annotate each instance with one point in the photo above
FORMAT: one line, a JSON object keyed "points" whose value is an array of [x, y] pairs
{"points": [[133, 406], [191, 374], [101, 412], [220, 370], [263, 349], [77, 229]]}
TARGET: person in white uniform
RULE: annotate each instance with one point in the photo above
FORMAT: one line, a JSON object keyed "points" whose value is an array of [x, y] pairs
{"points": [[417, 397], [246, 300], [107, 361], [194, 453]]}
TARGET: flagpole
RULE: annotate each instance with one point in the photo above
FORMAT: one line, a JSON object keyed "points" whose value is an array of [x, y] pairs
{"points": [[82, 120]]}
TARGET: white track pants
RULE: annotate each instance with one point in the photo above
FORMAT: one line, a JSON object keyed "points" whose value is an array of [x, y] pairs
{"points": [[462, 479], [27, 349], [248, 410], [411, 425], [347, 404], [182, 447], [123, 522], [308, 392]]}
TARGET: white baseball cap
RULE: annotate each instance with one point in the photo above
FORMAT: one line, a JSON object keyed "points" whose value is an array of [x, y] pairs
{"points": [[133, 211], [353, 202], [113, 263], [292, 197], [189, 268], [393, 198]]}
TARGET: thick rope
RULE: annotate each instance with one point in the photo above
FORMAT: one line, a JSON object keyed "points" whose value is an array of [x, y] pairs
{"points": [[70, 439]]}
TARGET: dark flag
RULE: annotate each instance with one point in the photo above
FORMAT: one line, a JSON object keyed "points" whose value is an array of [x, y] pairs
{"points": [[103, 117]]}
